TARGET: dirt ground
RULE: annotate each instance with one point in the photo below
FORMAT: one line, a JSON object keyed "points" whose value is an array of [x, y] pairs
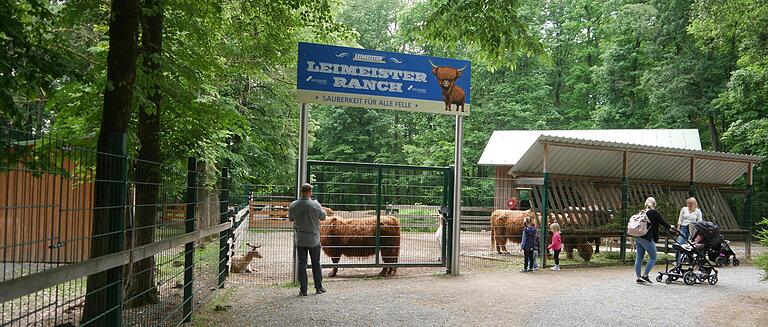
{"points": [[476, 250], [607, 296]]}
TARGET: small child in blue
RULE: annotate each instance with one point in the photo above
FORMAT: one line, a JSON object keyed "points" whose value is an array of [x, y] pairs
{"points": [[529, 238]]}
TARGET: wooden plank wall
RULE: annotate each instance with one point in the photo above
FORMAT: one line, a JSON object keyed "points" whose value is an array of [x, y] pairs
{"points": [[579, 203], [590, 205], [44, 217], [505, 188]]}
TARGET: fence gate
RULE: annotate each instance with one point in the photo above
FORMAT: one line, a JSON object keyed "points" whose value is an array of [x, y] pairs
{"points": [[404, 200]]}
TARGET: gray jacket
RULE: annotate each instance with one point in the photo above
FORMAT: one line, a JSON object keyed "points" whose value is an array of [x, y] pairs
{"points": [[306, 214]]}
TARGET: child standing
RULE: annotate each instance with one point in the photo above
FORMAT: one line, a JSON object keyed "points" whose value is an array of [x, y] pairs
{"points": [[556, 245], [529, 238]]}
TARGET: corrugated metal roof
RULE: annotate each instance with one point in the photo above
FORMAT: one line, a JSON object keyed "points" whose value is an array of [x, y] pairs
{"points": [[572, 156], [505, 148]]}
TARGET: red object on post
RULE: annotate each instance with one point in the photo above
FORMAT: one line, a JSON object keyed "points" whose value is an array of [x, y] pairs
{"points": [[512, 203]]}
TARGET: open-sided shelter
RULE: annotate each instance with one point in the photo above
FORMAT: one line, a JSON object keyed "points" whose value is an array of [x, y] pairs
{"points": [[589, 180]]}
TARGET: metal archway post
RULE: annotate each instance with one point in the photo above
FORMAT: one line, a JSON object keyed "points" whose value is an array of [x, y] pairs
{"points": [[456, 227], [301, 172]]}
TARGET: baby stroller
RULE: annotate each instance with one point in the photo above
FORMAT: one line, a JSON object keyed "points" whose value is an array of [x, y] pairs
{"points": [[694, 260], [723, 255]]}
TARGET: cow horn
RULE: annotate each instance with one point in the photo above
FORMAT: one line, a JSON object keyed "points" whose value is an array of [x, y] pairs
{"points": [[462, 68], [431, 63]]}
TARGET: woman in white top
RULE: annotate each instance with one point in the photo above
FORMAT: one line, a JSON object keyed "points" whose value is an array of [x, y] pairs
{"points": [[688, 214]]}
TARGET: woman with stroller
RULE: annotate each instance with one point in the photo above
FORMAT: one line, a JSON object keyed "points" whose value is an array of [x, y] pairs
{"points": [[688, 214], [647, 242]]}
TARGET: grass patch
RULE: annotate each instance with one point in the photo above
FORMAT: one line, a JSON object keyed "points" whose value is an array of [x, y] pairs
{"points": [[206, 316], [172, 264], [417, 211], [289, 285]]}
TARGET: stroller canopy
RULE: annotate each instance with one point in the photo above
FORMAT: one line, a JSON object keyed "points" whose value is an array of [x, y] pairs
{"points": [[708, 230]]}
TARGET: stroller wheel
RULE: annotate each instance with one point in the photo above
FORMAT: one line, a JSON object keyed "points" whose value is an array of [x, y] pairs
{"points": [[736, 262], [668, 280], [659, 278], [720, 261], [689, 278], [712, 280]]}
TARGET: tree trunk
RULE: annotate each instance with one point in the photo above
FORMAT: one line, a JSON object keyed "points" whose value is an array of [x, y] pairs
{"points": [[713, 136], [118, 97], [141, 289]]}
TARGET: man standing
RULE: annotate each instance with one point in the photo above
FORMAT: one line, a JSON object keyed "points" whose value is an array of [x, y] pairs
{"points": [[306, 214]]}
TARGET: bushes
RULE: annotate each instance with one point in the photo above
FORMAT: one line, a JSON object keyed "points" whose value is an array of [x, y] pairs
{"points": [[762, 260]]}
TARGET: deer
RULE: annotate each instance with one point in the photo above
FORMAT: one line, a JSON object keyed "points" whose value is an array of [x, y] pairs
{"points": [[242, 263]]}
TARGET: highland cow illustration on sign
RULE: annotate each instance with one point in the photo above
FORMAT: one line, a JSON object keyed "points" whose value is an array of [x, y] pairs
{"points": [[446, 78], [377, 79]]}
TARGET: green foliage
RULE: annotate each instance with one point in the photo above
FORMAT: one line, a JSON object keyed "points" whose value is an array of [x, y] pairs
{"points": [[762, 260], [494, 29], [31, 60], [738, 29], [228, 70], [227, 77], [668, 209]]}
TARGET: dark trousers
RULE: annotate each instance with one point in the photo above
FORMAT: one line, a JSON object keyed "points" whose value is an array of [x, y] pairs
{"points": [[317, 270], [557, 257], [528, 263]]}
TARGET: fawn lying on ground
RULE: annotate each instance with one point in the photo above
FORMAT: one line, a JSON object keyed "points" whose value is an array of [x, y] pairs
{"points": [[242, 263]]}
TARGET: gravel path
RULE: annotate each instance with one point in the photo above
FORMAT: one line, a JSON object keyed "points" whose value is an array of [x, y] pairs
{"points": [[595, 296]]}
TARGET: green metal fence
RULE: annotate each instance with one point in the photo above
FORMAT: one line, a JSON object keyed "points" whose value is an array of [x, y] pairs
{"points": [[410, 194], [107, 248], [383, 216]]}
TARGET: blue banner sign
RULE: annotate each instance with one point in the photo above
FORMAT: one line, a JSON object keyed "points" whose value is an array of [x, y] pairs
{"points": [[377, 79]]}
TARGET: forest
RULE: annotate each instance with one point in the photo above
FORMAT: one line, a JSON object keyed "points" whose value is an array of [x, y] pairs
{"points": [[217, 79]]}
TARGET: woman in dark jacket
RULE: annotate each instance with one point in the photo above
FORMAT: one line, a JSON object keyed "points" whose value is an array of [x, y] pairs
{"points": [[647, 242]]}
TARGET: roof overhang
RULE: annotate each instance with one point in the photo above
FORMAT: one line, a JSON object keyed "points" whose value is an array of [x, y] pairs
{"points": [[573, 156], [505, 148]]}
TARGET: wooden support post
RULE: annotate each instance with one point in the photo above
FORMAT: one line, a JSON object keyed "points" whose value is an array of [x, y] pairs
{"points": [[624, 204], [692, 179]]}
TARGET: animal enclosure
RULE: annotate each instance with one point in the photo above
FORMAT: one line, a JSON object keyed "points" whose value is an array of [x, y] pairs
{"points": [[403, 199], [163, 252]]}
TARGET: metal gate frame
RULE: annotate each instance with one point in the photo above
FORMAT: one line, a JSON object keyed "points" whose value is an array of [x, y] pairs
{"points": [[446, 202]]}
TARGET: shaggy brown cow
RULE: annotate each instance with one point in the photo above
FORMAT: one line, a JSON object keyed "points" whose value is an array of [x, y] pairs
{"points": [[357, 238], [507, 225], [446, 78]]}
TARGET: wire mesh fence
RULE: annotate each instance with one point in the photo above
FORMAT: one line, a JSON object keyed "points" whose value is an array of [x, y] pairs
{"points": [[481, 196], [747, 220], [93, 238], [146, 243], [403, 200], [268, 227]]}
